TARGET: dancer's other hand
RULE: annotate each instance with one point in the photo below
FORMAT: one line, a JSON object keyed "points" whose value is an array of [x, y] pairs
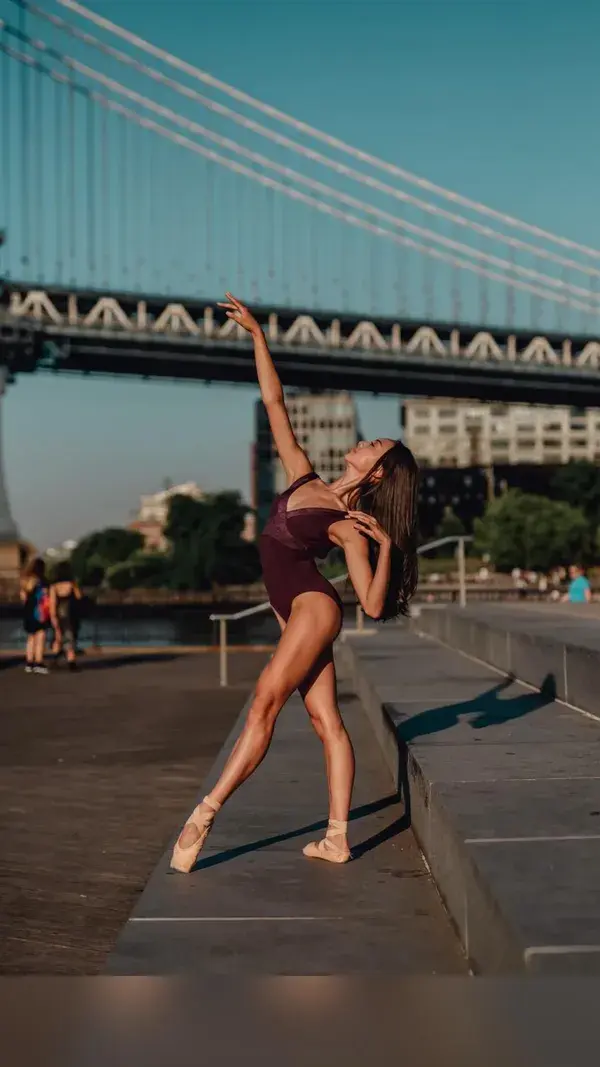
{"points": [[239, 313], [368, 525]]}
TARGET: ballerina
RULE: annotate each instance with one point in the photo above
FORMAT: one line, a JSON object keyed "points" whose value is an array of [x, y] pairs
{"points": [[306, 522]]}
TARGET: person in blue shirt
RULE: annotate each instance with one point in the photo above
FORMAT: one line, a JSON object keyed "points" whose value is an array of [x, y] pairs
{"points": [[579, 588]]}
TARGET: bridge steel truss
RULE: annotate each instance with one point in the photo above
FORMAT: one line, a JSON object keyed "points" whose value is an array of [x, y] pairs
{"points": [[90, 332]]}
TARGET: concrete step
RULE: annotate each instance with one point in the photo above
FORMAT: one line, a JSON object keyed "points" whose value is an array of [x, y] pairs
{"points": [[503, 787], [557, 646], [255, 905]]}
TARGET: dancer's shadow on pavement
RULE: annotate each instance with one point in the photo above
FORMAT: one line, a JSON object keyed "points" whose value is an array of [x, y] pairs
{"points": [[486, 709], [311, 828]]}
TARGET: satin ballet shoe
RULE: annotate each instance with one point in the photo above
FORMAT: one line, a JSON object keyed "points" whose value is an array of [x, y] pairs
{"points": [[194, 834], [330, 849]]}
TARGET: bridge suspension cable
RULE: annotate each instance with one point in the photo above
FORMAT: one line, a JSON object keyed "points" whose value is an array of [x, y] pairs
{"points": [[312, 131], [289, 191], [508, 266], [315, 156], [121, 198], [327, 190]]}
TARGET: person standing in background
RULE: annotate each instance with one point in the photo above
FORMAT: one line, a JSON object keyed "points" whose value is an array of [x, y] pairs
{"points": [[65, 597], [36, 615], [579, 591]]}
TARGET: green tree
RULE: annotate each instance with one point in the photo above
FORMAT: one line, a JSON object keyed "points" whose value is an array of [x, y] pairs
{"points": [[522, 530], [100, 550], [90, 574], [451, 525], [578, 484], [207, 544], [142, 571]]}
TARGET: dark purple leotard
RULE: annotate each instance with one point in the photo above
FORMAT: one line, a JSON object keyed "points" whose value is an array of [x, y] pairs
{"points": [[289, 545]]}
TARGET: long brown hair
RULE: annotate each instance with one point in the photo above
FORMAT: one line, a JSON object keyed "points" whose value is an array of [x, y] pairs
{"points": [[390, 492], [34, 573]]}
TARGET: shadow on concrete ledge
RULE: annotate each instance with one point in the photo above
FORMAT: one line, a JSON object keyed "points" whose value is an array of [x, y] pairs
{"points": [[484, 710]]}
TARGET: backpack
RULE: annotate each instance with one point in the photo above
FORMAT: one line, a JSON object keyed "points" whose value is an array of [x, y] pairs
{"points": [[42, 607]]}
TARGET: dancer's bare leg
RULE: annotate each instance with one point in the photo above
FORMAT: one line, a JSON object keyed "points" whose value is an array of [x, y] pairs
{"points": [[319, 692], [313, 625]]}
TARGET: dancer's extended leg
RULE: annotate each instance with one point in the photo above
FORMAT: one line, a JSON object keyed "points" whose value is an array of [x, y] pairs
{"points": [[313, 624]]}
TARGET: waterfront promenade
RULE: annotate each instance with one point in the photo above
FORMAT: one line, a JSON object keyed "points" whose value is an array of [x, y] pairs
{"points": [[98, 768], [498, 781]]}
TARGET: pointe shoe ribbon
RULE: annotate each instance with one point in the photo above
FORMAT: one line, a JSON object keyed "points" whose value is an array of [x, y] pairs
{"points": [[328, 849], [195, 831]]}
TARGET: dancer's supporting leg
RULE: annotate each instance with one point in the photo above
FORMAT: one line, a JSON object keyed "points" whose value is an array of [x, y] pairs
{"points": [[319, 692], [313, 624]]}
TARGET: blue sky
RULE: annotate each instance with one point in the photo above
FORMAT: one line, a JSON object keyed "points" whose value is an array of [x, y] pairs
{"points": [[497, 100]]}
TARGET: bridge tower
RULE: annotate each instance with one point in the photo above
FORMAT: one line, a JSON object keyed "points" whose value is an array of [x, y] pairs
{"points": [[10, 551]]}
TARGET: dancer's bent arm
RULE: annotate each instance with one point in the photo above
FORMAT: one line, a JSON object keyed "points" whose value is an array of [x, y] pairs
{"points": [[370, 588], [294, 459]]}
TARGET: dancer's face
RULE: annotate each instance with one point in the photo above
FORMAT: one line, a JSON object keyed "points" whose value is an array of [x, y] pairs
{"points": [[365, 455]]}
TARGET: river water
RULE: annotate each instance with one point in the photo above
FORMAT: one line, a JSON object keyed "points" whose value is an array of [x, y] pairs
{"points": [[162, 627]]}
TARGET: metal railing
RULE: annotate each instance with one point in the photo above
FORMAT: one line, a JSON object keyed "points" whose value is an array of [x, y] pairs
{"points": [[223, 620]]}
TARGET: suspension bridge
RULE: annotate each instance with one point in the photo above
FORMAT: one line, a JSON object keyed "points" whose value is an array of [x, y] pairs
{"points": [[135, 187]]}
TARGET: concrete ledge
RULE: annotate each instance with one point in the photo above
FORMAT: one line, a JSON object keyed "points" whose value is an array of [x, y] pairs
{"points": [[538, 645], [503, 790]]}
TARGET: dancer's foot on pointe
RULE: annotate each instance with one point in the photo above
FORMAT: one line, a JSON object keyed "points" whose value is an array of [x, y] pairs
{"points": [[333, 847], [193, 836]]}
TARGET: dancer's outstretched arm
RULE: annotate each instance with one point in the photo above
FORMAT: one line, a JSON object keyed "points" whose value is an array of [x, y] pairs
{"points": [[294, 458]]}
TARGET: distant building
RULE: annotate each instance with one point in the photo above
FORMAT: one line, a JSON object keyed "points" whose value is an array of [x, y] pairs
{"points": [[465, 491], [326, 427], [154, 512], [463, 433]]}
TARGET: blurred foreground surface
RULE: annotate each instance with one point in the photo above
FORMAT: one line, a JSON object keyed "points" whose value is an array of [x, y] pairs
{"points": [[340, 1022]]}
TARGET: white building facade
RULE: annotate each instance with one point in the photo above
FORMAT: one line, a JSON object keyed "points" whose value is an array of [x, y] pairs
{"points": [[465, 433], [326, 428]]}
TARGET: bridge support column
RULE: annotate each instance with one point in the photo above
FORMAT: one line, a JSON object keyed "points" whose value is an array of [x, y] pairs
{"points": [[10, 549]]}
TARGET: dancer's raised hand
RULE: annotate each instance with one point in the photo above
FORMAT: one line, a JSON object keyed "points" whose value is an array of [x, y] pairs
{"points": [[239, 313]]}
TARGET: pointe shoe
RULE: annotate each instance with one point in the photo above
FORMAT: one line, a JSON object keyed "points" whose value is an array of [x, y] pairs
{"points": [[328, 848], [200, 821]]}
